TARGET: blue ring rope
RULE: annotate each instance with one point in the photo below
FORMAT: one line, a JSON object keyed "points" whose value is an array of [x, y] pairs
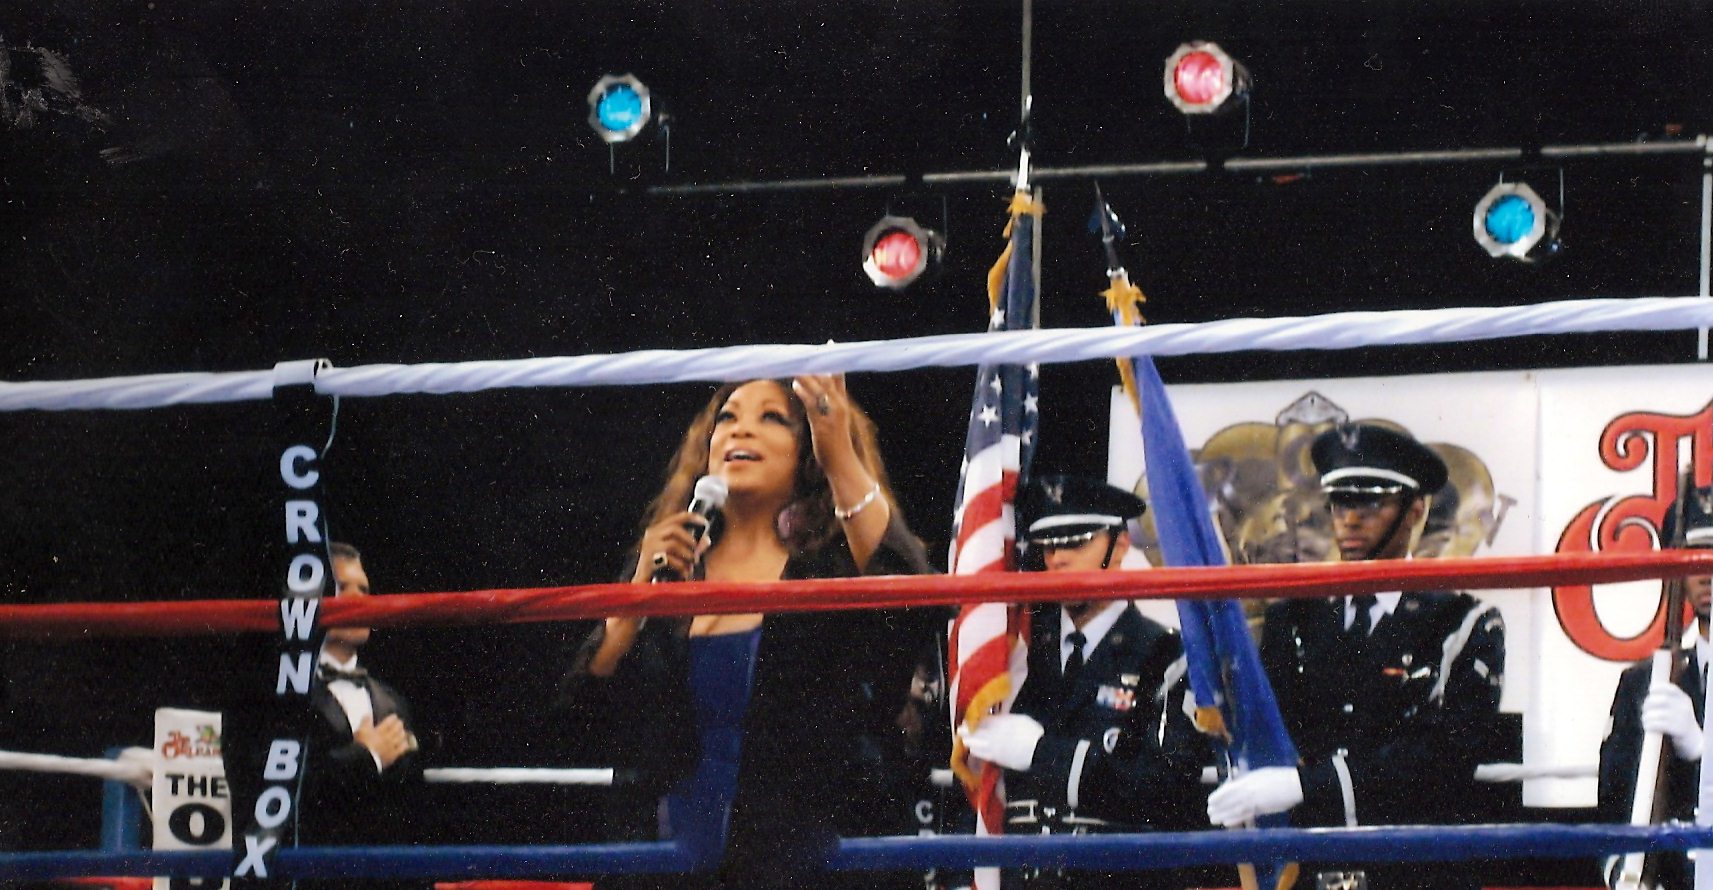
{"points": [[1110, 852]]}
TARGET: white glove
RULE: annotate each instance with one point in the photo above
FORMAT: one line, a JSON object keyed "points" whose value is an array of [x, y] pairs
{"points": [[1668, 711], [1005, 740], [1270, 789]]}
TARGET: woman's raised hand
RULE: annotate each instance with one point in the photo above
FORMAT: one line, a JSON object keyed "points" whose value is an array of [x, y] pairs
{"points": [[827, 406]]}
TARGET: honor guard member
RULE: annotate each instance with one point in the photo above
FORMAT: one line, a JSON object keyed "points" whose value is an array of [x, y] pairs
{"points": [[1675, 711], [1097, 739], [1392, 698]]}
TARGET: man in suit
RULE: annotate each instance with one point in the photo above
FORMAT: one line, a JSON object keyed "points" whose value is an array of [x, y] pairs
{"points": [[1392, 698], [364, 749], [361, 749], [1097, 739], [1674, 710]]}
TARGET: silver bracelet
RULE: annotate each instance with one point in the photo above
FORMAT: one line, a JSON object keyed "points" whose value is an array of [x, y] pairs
{"points": [[845, 515]]}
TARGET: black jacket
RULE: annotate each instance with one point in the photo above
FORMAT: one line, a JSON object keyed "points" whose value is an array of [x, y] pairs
{"points": [[1119, 739], [822, 681], [344, 799], [1407, 718], [1622, 749]]}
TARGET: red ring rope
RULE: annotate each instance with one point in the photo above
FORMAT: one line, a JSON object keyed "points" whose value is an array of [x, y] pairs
{"points": [[482, 607]]}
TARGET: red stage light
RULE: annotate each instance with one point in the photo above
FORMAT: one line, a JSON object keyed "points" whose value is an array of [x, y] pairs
{"points": [[1201, 78], [896, 251], [896, 254]]}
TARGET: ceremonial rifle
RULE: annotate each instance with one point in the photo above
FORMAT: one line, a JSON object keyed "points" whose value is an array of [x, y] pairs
{"points": [[1651, 803]]}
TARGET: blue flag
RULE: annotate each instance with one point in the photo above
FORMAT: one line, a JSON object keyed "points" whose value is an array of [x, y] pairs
{"points": [[1231, 690], [1225, 669]]}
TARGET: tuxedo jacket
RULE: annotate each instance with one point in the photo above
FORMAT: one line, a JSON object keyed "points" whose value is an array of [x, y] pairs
{"points": [[1389, 730], [343, 799], [1117, 745]]}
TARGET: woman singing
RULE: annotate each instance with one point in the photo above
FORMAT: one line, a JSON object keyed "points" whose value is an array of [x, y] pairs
{"points": [[807, 498]]}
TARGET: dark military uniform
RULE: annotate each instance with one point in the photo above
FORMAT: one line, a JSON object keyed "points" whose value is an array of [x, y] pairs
{"points": [[1389, 729], [1118, 754], [1622, 750]]}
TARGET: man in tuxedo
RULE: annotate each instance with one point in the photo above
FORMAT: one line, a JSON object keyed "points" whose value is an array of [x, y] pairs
{"points": [[364, 749], [1391, 698], [361, 762], [1674, 710], [1097, 739]]}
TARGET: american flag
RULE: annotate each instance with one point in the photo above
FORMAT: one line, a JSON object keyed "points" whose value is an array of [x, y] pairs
{"points": [[989, 641]]}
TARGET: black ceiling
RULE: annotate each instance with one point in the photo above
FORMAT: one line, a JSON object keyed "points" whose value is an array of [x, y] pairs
{"points": [[230, 184]]}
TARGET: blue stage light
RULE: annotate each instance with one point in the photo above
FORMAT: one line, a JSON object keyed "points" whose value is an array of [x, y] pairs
{"points": [[1513, 221], [619, 107], [1510, 219]]}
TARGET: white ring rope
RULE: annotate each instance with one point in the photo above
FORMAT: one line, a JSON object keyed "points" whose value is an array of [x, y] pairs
{"points": [[1345, 330], [1519, 772], [516, 775], [135, 766], [1490, 773]]}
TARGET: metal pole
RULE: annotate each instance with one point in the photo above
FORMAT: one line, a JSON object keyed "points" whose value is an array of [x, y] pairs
{"points": [[1374, 159], [1028, 53], [1706, 236], [1581, 152], [1618, 149], [785, 185], [121, 814]]}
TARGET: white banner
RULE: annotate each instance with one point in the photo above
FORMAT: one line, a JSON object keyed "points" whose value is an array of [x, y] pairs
{"points": [[1566, 461], [191, 801]]}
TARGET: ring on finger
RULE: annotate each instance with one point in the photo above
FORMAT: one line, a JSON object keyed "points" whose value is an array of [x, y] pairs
{"points": [[822, 405], [659, 559]]}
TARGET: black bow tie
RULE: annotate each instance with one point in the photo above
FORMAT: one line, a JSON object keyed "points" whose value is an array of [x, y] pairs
{"points": [[327, 673]]}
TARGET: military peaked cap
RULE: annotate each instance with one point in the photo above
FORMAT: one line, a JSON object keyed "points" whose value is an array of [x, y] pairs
{"points": [[1063, 510], [1697, 521], [1368, 459]]}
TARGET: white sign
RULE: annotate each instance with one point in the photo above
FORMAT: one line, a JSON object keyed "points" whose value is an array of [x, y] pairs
{"points": [[1541, 462], [191, 800]]}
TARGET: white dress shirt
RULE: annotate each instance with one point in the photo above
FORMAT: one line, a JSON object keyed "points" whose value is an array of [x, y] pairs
{"points": [[1384, 604], [1094, 631], [354, 700]]}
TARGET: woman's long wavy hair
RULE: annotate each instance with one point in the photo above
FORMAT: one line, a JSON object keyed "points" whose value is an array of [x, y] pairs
{"points": [[806, 523]]}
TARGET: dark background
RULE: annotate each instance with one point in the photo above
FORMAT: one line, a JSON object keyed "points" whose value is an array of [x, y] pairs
{"points": [[249, 181]]}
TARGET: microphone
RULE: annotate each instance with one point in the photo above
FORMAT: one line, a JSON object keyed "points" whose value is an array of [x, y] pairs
{"points": [[705, 500]]}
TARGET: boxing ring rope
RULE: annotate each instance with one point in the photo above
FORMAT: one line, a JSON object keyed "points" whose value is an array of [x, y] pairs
{"points": [[139, 770], [140, 774], [66, 621], [132, 769], [1344, 330], [1116, 851], [136, 772]]}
